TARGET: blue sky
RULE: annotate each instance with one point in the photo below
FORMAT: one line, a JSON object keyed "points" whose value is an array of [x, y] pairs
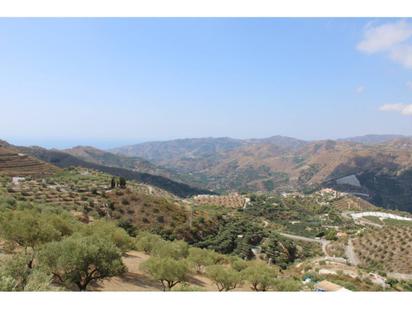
{"points": [[109, 82]]}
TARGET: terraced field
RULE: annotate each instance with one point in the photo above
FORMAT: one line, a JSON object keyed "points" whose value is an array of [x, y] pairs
{"points": [[388, 249], [88, 195], [230, 200], [13, 163], [75, 189]]}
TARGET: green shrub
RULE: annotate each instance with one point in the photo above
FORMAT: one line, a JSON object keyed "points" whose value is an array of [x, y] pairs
{"points": [[176, 249], [146, 241], [79, 260], [167, 271], [260, 276], [16, 275], [225, 278], [110, 231], [201, 258], [287, 285]]}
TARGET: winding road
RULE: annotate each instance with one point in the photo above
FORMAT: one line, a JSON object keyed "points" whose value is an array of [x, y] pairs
{"points": [[351, 256], [324, 243]]}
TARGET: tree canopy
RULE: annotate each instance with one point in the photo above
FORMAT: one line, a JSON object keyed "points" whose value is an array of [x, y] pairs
{"points": [[238, 237], [279, 250], [110, 231], [176, 249], [167, 271], [260, 276], [201, 258], [16, 275], [225, 278], [30, 228], [80, 260]]}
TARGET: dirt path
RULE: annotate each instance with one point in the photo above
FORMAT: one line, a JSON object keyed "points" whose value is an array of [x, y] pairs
{"points": [[135, 280], [350, 253], [325, 244]]}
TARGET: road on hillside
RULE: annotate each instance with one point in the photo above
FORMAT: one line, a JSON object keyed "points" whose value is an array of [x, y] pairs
{"points": [[347, 215], [350, 253], [352, 258], [296, 237], [324, 243]]}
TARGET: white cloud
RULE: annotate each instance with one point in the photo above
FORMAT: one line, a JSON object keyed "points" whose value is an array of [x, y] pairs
{"points": [[404, 109], [391, 39], [384, 37], [403, 55], [360, 89]]}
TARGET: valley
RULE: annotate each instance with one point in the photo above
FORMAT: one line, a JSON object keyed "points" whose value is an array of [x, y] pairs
{"points": [[304, 233], [377, 168]]}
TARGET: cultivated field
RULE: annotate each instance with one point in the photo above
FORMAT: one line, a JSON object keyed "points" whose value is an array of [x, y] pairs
{"points": [[13, 163], [230, 200], [388, 248]]}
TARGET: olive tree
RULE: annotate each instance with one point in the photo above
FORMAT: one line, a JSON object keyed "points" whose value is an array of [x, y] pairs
{"points": [[176, 249], [225, 278], [239, 264], [146, 241], [15, 275], [167, 271], [30, 228], [260, 275], [200, 258], [111, 232], [287, 284], [79, 260]]}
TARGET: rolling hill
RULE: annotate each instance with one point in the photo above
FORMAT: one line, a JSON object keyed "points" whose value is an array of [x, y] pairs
{"points": [[97, 156], [372, 139], [379, 168], [56, 158], [15, 163]]}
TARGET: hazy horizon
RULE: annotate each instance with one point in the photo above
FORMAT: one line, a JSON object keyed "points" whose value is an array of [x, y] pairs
{"points": [[110, 82], [110, 144]]}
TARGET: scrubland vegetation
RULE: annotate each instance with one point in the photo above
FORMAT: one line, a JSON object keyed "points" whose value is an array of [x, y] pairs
{"points": [[45, 247], [79, 228]]}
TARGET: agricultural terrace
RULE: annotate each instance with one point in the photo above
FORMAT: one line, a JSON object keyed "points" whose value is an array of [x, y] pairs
{"points": [[233, 200], [388, 249]]}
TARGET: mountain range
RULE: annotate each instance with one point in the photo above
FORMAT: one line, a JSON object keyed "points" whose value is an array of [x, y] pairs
{"points": [[377, 167]]}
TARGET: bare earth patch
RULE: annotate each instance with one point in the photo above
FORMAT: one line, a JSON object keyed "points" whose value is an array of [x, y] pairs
{"points": [[136, 280]]}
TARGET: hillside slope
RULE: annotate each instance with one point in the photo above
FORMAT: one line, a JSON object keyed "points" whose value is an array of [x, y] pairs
{"points": [[98, 156], [15, 163], [62, 159], [376, 170], [195, 148]]}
